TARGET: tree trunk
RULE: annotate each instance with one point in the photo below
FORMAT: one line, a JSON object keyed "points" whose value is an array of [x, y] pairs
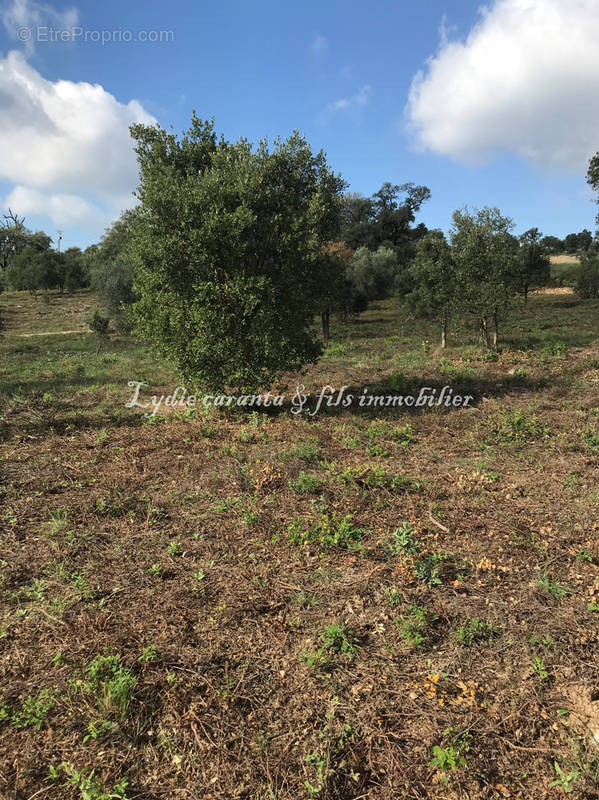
{"points": [[444, 333], [526, 294], [495, 329], [484, 332], [325, 319]]}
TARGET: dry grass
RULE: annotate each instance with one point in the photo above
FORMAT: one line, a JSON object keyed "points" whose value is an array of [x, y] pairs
{"points": [[564, 259], [172, 545]]}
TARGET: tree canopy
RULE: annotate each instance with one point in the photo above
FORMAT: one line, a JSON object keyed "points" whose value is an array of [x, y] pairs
{"points": [[230, 248]]}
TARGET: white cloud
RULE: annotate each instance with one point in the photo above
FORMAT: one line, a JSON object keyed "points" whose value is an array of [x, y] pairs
{"points": [[525, 80], [358, 100], [31, 15], [320, 45], [63, 209], [65, 146]]}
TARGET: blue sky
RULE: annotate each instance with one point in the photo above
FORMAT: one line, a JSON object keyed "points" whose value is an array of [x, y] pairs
{"points": [[482, 128]]}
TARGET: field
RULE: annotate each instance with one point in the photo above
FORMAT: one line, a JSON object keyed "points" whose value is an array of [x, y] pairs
{"points": [[364, 603], [564, 270]]}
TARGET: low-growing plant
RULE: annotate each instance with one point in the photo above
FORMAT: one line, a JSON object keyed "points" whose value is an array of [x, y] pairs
{"points": [[150, 653], [309, 450], [416, 625], [403, 541], [373, 476], [88, 785], [450, 756], [335, 640], [330, 531], [518, 425], [565, 780], [585, 555], [394, 596], [97, 729], [174, 548], [559, 591], [34, 711], [306, 484], [59, 521], [474, 631], [538, 666], [111, 683], [426, 568]]}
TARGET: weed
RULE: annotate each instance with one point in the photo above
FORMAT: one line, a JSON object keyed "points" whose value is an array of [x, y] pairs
{"points": [[376, 477], [585, 555], [335, 640], [174, 548], [450, 757], [394, 597], [110, 683], [59, 521], [197, 578], [308, 450], [150, 653], [249, 517], [96, 729], [513, 426], [538, 666], [329, 532], [559, 591], [34, 711], [88, 785], [565, 780], [426, 568], [321, 764], [474, 631], [404, 541], [414, 627], [306, 484]]}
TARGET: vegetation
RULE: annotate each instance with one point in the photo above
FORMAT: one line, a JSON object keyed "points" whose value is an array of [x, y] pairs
{"points": [[226, 569], [366, 601], [230, 297]]}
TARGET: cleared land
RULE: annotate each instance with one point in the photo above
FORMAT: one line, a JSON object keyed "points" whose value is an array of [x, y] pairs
{"points": [[564, 259], [359, 604]]}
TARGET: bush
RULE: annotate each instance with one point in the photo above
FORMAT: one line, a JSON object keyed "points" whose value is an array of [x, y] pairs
{"points": [[98, 323], [114, 284], [230, 245], [373, 275], [587, 284]]}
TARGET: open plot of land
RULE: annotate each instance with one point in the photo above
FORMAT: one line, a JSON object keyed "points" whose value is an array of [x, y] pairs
{"points": [[564, 259], [382, 604]]}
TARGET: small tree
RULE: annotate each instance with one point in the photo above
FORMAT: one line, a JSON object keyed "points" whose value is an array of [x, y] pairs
{"points": [[551, 245], [230, 250], [373, 275], [587, 284], [32, 269], [338, 258], [486, 256], [578, 242], [433, 276], [112, 265], [13, 235], [385, 219], [585, 240], [532, 266], [99, 325], [71, 270]]}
